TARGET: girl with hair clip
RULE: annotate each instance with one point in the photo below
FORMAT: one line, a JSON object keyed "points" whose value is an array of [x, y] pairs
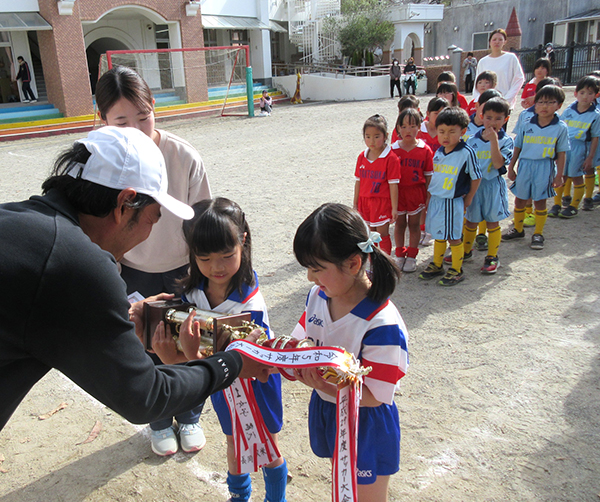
{"points": [[377, 175], [154, 266], [349, 306], [221, 279]]}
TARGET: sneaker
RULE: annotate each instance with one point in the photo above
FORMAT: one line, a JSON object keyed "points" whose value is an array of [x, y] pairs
{"points": [[425, 239], [164, 442], [34, 101], [566, 200], [568, 212], [466, 257], [490, 265], [452, 278], [25, 101], [410, 265], [596, 198], [400, 261], [588, 204], [431, 271], [191, 437], [512, 234], [554, 211], [529, 220], [481, 242], [537, 241]]}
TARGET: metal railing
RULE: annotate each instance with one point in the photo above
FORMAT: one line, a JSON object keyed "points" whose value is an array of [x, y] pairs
{"points": [[340, 71]]}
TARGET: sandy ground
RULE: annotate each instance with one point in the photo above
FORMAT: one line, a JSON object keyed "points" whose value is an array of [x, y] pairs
{"points": [[501, 400]]}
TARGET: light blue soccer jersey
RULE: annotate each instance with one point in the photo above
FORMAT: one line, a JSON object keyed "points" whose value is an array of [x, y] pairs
{"points": [[537, 143], [582, 126], [452, 173], [472, 128], [524, 117], [484, 154]]}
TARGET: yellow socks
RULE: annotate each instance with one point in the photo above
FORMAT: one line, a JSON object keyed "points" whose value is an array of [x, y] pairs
{"points": [[469, 238], [439, 248], [482, 228], [540, 221], [494, 238], [559, 193], [519, 217], [458, 253], [567, 187], [590, 182]]}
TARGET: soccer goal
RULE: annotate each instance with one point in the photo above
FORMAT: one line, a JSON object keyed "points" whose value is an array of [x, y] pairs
{"points": [[213, 77]]}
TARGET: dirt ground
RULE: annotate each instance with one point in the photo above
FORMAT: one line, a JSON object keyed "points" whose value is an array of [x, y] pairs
{"points": [[501, 400]]}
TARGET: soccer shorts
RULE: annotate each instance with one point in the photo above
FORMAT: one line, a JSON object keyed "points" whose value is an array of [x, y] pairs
{"points": [[376, 211], [490, 202], [411, 199], [534, 179], [445, 218], [575, 158]]}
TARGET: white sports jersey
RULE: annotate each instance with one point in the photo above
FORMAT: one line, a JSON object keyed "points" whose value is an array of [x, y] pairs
{"points": [[374, 333]]}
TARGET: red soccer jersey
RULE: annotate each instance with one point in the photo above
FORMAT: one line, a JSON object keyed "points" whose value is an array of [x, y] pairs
{"points": [[432, 142], [529, 90], [472, 107], [462, 101], [414, 164], [376, 176]]}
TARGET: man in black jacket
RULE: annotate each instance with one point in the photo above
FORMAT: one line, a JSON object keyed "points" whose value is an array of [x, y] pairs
{"points": [[25, 75], [63, 303]]}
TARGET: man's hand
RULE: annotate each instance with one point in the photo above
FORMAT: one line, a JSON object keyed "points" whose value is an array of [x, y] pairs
{"points": [[252, 368], [136, 312]]}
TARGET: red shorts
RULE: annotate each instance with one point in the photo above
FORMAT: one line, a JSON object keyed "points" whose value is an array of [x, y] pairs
{"points": [[411, 199], [376, 211]]}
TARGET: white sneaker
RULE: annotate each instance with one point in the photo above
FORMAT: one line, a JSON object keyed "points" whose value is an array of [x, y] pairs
{"points": [[410, 265], [25, 101], [34, 100], [191, 437], [425, 239], [399, 261], [164, 442]]}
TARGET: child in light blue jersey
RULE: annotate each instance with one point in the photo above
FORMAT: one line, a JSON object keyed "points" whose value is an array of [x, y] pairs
{"points": [[455, 179], [494, 150], [583, 120], [541, 142]]}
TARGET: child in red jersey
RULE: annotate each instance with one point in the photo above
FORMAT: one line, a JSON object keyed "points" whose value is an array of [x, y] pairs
{"points": [[541, 70], [406, 101], [485, 80], [416, 168], [377, 175]]}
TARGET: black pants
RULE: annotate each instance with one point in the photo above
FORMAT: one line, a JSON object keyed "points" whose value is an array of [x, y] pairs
{"points": [[27, 92], [410, 83], [395, 83], [469, 83]]}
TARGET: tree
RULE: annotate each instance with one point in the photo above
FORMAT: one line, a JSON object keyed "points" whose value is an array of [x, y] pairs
{"points": [[362, 26]]}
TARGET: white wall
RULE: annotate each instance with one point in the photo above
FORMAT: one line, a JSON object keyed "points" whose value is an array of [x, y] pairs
{"points": [[242, 8], [19, 6]]}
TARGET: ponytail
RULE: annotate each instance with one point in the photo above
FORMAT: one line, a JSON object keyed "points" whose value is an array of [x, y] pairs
{"points": [[384, 275]]}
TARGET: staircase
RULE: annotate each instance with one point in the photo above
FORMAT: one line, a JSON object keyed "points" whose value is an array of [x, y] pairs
{"points": [[40, 83]]}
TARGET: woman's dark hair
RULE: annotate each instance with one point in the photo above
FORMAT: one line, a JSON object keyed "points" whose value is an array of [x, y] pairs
{"points": [[414, 118], [122, 82], [498, 30], [377, 121], [87, 197], [436, 104], [445, 87], [469, 54], [331, 234], [552, 92], [543, 63], [453, 116], [218, 225], [489, 94]]}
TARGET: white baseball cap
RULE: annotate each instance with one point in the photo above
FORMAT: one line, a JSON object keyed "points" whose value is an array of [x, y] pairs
{"points": [[124, 157]]}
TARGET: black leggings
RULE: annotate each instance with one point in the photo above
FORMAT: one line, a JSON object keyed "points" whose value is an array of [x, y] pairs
{"points": [[395, 83]]}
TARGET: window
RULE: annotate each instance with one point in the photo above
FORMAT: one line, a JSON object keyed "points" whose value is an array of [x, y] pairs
{"points": [[210, 38], [239, 37], [480, 41]]}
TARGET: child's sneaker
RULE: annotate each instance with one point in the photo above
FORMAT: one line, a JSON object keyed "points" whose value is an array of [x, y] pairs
{"points": [[452, 278], [568, 212], [554, 211], [566, 200], [529, 220], [410, 265], [481, 242], [490, 265], [588, 204], [512, 234], [596, 198], [164, 442], [431, 271], [191, 437], [466, 257], [425, 239], [537, 241], [400, 261]]}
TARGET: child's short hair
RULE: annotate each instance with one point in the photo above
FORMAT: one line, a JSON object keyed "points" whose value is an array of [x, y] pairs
{"points": [[453, 116], [588, 82], [552, 92], [497, 104], [595, 73], [377, 121], [446, 76], [544, 63], [436, 104], [414, 117], [445, 87], [489, 94], [488, 75], [498, 30], [547, 81], [408, 101]]}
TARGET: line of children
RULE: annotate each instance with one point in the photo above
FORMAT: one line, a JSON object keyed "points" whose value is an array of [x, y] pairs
{"points": [[541, 141], [377, 176], [456, 176], [416, 167]]}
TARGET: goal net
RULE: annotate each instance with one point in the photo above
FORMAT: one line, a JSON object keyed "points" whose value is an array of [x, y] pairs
{"points": [[210, 78]]}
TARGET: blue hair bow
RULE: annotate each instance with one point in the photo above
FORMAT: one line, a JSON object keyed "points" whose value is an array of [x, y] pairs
{"points": [[367, 246]]}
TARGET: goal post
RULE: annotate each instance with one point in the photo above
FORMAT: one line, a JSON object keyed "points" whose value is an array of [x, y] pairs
{"points": [[192, 76]]}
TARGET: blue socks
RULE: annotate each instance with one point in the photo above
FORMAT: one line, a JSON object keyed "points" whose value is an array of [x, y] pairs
{"points": [[240, 486], [275, 483]]}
